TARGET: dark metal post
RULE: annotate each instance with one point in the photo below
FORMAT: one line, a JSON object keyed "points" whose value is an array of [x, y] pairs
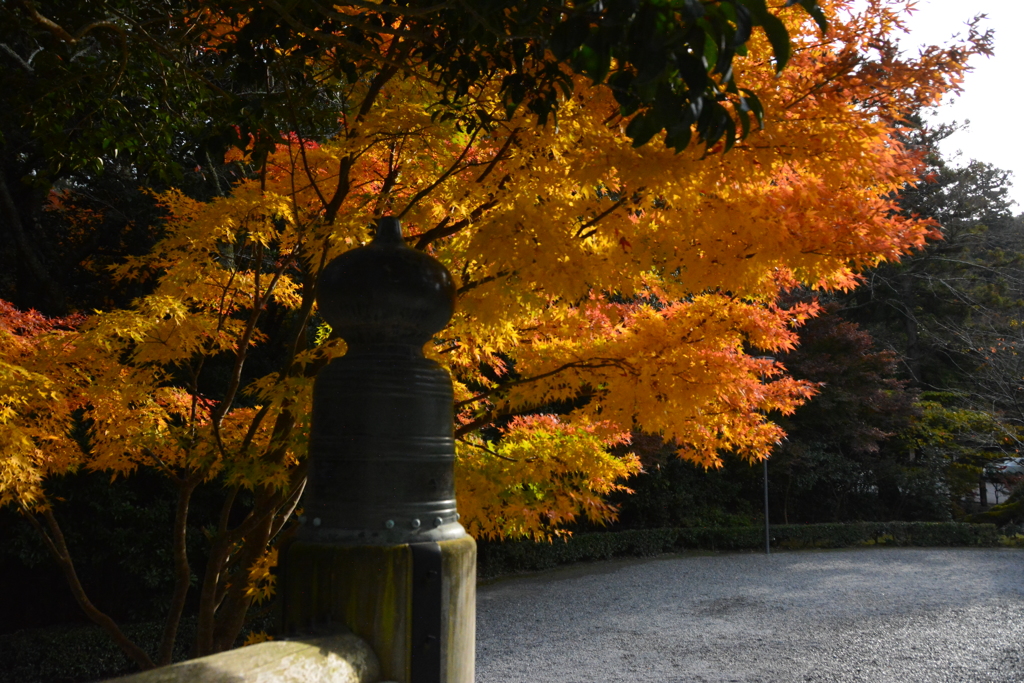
{"points": [[767, 531], [381, 550]]}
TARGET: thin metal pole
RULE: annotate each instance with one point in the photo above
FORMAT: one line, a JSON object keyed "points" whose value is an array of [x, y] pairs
{"points": [[767, 536]]}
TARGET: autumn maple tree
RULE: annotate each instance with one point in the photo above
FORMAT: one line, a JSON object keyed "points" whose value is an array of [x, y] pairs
{"points": [[604, 287]]}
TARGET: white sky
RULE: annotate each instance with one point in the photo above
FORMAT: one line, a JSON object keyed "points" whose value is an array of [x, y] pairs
{"points": [[992, 93]]}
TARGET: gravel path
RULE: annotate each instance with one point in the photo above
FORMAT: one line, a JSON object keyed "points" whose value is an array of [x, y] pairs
{"points": [[905, 615]]}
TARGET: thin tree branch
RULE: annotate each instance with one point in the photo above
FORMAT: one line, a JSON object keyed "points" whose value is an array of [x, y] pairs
{"points": [[476, 424], [259, 303], [250, 434], [27, 251], [305, 162], [379, 81], [286, 511], [443, 229], [482, 281], [593, 364], [53, 27], [54, 541], [596, 219], [499, 156], [443, 177], [494, 453], [341, 191], [17, 58]]}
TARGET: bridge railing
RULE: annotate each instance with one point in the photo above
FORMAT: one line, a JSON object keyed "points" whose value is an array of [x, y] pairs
{"points": [[341, 658]]}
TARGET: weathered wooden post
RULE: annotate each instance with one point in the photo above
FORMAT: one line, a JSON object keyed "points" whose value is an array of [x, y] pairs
{"points": [[381, 549]]}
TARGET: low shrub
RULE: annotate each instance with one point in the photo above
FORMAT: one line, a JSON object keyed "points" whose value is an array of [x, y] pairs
{"points": [[72, 654], [511, 557], [67, 654]]}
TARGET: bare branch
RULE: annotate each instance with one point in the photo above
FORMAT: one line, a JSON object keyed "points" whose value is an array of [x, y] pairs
{"points": [[443, 177], [444, 229], [395, 9], [593, 364], [500, 156], [17, 58], [341, 191], [482, 281], [490, 452], [53, 27], [259, 303], [54, 541], [599, 217], [479, 422], [285, 513]]}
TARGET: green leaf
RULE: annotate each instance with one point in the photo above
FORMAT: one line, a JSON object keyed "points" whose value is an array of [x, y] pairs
{"points": [[621, 84], [744, 24], [693, 9], [568, 36], [730, 132], [773, 28], [717, 118], [642, 128], [779, 38], [745, 113], [812, 8], [710, 50], [725, 55], [678, 136], [693, 70], [566, 86], [728, 10], [754, 103], [593, 62]]}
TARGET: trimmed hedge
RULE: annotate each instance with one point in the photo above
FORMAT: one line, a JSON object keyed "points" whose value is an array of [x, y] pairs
{"points": [[511, 557], [67, 654]]}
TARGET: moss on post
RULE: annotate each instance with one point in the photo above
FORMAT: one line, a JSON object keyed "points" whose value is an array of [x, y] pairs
{"points": [[369, 589]]}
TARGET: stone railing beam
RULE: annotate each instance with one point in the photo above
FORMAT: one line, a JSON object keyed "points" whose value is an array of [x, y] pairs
{"points": [[342, 658]]}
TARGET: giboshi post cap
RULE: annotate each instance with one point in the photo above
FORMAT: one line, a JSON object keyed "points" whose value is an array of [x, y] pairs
{"points": [[386, 292]]}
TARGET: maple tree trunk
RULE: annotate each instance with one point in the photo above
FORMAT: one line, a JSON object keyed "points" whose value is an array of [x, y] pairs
{"points": [[234, 599], [235, 604], [30, 258], [223, 602], [913, 353], [220, 548], [182, 571]]}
